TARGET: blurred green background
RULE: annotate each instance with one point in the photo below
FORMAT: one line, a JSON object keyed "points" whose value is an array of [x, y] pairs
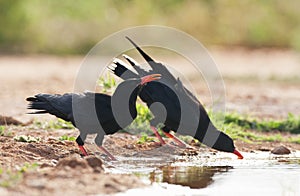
{"points": [[73, 26]]}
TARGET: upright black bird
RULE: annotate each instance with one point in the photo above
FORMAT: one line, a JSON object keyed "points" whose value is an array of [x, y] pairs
{"points": [[94, 112], [181, 112]]}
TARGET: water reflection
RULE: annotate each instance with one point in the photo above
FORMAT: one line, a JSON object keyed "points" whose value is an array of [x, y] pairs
{"points": [[194, 177]]}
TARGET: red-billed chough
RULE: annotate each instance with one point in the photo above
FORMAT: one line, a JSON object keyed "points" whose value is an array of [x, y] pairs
{"points": [[94, 113], [178, 109]]}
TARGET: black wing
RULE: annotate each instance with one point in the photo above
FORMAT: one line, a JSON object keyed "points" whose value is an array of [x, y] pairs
{"points": [[156, 67], [161, 69], [119, 69]]}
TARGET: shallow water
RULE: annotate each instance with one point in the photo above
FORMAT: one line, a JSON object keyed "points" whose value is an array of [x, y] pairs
{"points": [[191, 176], [259, 173]]}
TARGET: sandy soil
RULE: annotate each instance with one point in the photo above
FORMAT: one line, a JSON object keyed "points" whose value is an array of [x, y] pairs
{"points": [[262, 83], [61, 170]]}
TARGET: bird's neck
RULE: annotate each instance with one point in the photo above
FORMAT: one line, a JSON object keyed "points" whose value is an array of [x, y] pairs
{"points": [[209, 135], [132, 101], [206, 133]]}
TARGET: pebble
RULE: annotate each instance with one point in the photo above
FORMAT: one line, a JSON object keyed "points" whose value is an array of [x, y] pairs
{"points": [[95, 163], [280, 150], [129, 146]]}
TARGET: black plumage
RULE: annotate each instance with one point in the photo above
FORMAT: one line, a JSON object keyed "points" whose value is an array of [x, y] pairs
{"points": [[176, 107], [94, 112]]}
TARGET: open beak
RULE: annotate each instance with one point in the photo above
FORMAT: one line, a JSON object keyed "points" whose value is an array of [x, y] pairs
{"points": [[150, 78], [237, 153]]}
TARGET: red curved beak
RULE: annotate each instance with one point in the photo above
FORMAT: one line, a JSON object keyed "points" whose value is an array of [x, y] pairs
{"points": [[237, 153], [150, 78]]}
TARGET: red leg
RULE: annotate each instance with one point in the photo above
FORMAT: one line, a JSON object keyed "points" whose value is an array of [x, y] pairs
{"points": [[177, 140], [107, 153], [158, 136], [83, 151]]}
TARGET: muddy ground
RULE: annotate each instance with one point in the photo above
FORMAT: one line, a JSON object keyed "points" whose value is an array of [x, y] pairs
{"points": [[262, 83]]}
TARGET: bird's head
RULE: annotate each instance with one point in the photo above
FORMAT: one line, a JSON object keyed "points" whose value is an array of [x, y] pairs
{"points": [[125, 96], [149, 78], [131, 87], [225, 143]]}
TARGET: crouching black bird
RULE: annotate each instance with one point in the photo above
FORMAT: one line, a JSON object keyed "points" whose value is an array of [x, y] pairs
{"points": [[94, 112], [174, 105]]}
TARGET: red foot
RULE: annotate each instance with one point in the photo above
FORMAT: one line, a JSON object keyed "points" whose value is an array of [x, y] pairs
{"points": [[107, 153], [158, 136], [177, 140], [83, 151]]}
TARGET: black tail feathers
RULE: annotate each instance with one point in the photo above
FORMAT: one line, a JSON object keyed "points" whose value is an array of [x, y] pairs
{"points": [[58, 105]]}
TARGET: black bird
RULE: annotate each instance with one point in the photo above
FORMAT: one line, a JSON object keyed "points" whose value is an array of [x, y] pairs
{"points": [[183, 112], [94, 112]]}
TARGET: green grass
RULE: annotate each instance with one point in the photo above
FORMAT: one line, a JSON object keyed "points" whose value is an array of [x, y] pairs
{"points": [[107, 83], [26, 138], [65, 27], [291, 124], [145, 138], [248, 129], [5, 132], [2, 129], [53, 124], [141, 122], [68, 138], [294, 140]]}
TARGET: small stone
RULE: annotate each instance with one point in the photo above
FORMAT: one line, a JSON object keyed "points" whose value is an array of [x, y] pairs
{"points": [[129, 146], [281, 150], [94, 163], [53, 162]]}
